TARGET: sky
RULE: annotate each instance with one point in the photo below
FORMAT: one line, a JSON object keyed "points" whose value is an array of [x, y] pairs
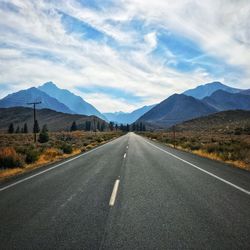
{"points": [[120, 55]]}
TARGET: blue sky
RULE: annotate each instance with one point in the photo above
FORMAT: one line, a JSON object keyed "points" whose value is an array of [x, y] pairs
{"points": [[121, 55]]}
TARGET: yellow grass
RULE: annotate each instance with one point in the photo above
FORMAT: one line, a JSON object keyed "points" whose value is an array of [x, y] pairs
{"points": [[50, 155], [4, 173]]}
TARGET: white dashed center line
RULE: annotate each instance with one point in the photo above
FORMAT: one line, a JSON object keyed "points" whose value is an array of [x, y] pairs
{"points": [[114, 193]]}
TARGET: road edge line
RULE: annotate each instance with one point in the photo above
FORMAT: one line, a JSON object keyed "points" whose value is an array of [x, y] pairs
{"points": [[202, 170]]}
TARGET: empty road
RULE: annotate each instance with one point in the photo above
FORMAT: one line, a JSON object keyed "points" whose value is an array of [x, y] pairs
{"points": [[130, 193]]}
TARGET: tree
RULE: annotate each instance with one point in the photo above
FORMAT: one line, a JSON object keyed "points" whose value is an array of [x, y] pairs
{"points": [[127, 128], [25, 128], [73, 126], [17, 130], [11, 129], [44, 135], [111, 126], [88, 125], [133, 127], [98, 126], [36, 128], [103, 126], [137, 127]]}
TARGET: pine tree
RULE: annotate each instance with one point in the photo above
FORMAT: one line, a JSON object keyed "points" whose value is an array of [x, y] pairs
{"points": [[88, 125], [25, 128], [11, 129], [111, 126], [140, 126], [127, 128], [17, 130], [98, 126], [103, 126], [36, 128], [137, 127], [44, 136], [133, 127], [73, 126]]}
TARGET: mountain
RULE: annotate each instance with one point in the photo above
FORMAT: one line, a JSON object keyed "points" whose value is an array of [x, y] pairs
{"points": [[21, 98], [222, 121], [222, 100], [245, 92], [127, 118], [208, 89], [56, 121], [175, 109], [74, 102]]}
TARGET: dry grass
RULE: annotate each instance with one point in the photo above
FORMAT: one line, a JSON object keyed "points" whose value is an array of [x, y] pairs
{"points": [[20, 145], [220, 145]]}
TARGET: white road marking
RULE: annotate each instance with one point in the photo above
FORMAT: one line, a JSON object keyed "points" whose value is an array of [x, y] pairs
{"points": [[114, 193], [51, 168], [204, 171], [125, 155]]}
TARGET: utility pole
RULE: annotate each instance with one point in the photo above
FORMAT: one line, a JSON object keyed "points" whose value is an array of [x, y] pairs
{"points": [[174, 135], [34, 109]]}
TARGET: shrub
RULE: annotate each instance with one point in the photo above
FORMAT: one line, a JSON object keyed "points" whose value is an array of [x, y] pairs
{"points": [[9, 158], [32, 155], [66, 148], [51, 153], [44, 136], [99, 139]]}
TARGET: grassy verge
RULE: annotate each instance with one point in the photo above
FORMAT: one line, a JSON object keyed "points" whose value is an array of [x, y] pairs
{"points": [[229, 148], [18, 153]]}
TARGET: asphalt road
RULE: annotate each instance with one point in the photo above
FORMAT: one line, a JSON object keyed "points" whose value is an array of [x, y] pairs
{"points": [[130, 193]]}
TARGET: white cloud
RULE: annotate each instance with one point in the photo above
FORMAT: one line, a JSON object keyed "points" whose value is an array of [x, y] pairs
{"points": [[220, 27]]}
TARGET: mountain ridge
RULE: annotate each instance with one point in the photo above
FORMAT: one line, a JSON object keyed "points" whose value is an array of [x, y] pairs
{"points": [[128, 118], [22, 97], [74, 102], [55, 121], [176, 108], [204, 90]]}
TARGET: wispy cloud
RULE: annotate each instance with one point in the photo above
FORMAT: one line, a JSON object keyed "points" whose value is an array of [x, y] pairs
{"points": [[137, 50]]}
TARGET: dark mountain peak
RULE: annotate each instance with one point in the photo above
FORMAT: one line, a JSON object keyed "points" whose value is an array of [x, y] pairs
{"points": [[223, 100], [174, 109]]}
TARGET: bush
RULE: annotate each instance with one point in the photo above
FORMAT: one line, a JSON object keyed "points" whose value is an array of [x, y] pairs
{"points": [[32, 155], [9, 158], [44, 136], [99, 139], [66, 148], [51, 153]]}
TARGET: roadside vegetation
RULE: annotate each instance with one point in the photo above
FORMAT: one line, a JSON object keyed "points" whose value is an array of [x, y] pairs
{"points": [[231, 146], [18, 152]]}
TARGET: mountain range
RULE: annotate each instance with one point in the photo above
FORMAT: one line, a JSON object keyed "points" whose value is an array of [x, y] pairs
{"points": [[201, 101], [178, 108], [23, 97], [72, 101], [208, 89], [175, 109], [127, 118], [222, 100], [56, 121]]}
